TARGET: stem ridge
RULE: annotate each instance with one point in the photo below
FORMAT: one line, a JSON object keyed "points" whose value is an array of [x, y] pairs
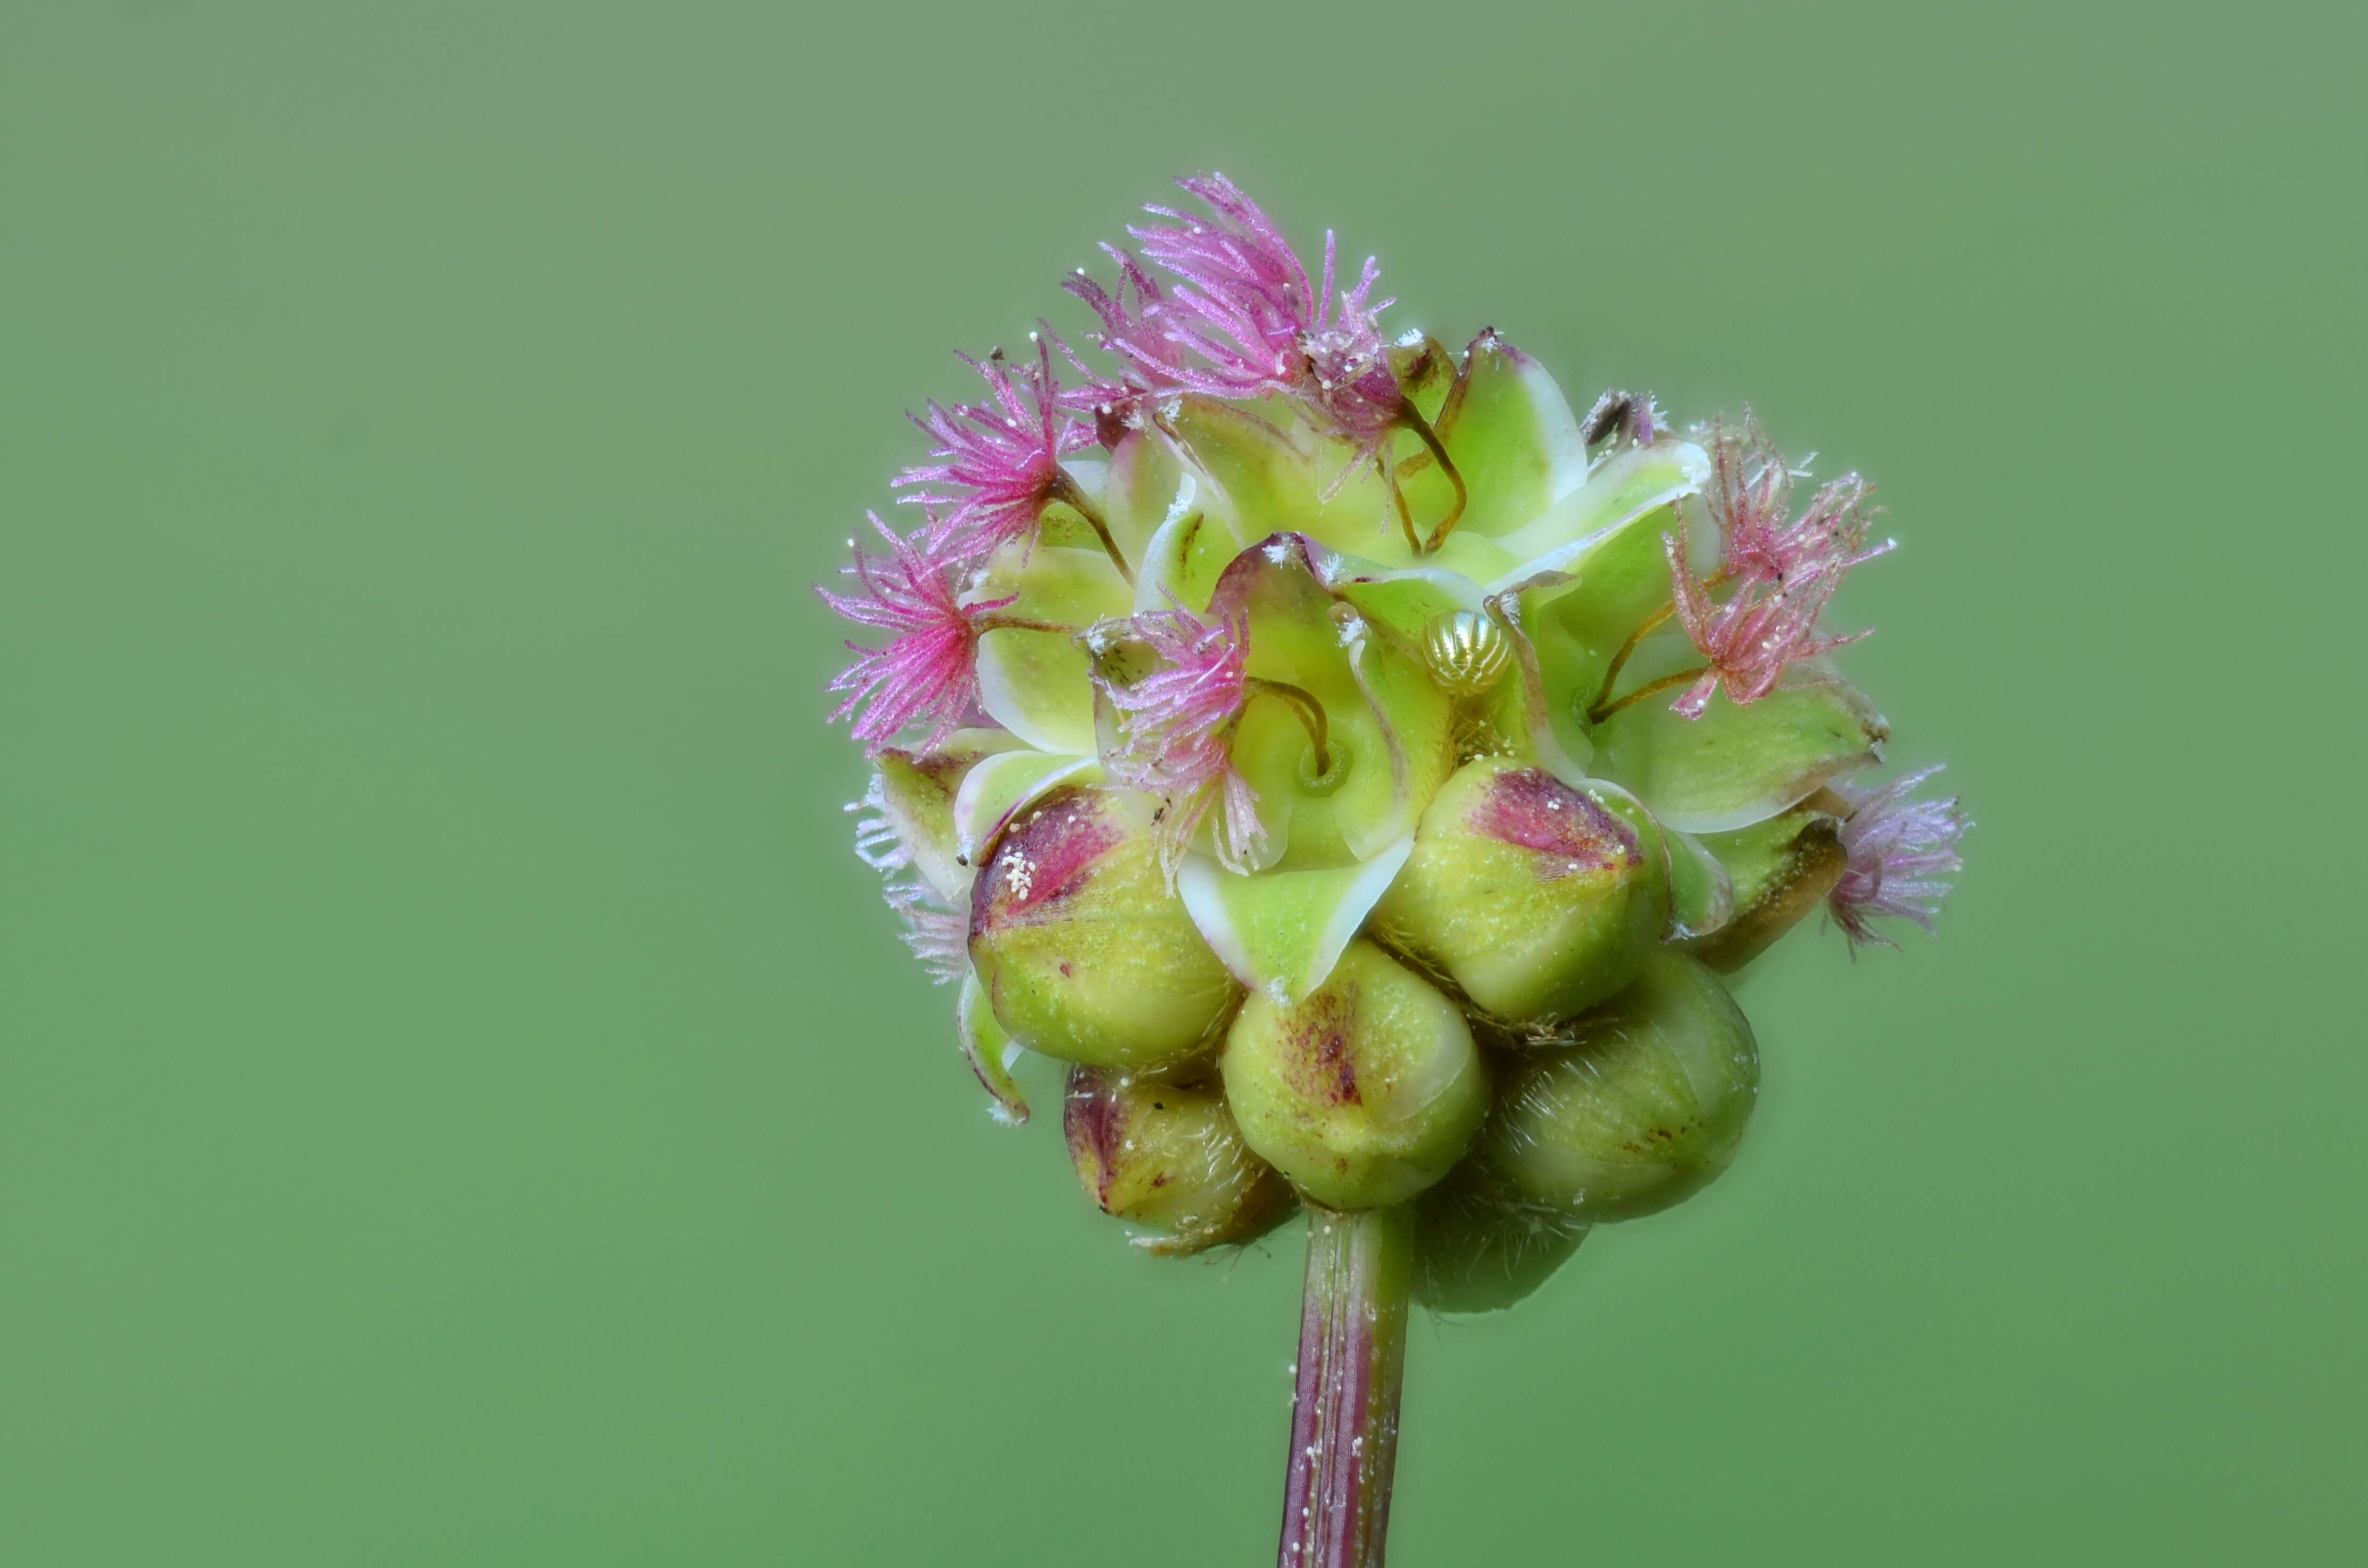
{"points": [[1344, 1410]]}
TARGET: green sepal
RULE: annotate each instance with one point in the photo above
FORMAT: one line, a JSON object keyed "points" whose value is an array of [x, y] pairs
{"points": [[1280, 932], [914, 794], [1388, 726], [1427, 373], [1059, 524], [1513, 439], [1266, 479], [1139, 491], [1185, 555], [1782, 868], [1033, 683], [1623, 488], [1531, 707], [1738, 764], [990, 1051], [999, 787]]}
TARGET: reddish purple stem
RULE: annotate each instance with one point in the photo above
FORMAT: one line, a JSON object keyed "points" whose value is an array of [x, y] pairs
{"points": [[1344, 1412]]}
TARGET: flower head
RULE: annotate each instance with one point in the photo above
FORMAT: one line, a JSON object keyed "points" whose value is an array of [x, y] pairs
{"points": [[1176, 725], [1901, 852], [928, 670], [1000, 462]]}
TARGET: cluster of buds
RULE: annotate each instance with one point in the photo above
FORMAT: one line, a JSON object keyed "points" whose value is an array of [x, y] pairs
{"points": [[1359, 768]]}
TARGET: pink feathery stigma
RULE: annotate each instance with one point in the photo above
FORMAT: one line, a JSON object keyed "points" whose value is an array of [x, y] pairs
{"points": [[1750, 498], [1149, 365], [1785, 569], [999, 461], [938, 938], [1901, 853], [928, 670], [1762, 627], [1244, 318], [1176, 725]]}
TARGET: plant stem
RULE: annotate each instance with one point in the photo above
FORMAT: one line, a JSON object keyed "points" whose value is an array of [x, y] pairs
{"points": [[1303, 702], [1344, 1412], [1412, 418], [1072, 494], [1684, 677]]}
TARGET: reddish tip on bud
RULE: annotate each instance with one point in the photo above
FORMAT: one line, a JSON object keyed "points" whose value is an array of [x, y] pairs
{"points": [[1084, 952], [1534, 900], [1161, 1150]]}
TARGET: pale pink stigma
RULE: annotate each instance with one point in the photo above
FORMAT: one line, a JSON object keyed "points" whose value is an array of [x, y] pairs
{"points": [[1750, 497], [1901, 853], [938, 938], [1176, 725], [999, 461], [927, 673], [1785, 570], [1751, 639], [1149, 364]]}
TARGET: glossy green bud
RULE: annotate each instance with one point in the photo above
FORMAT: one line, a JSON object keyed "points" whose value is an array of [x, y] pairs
{"points": [[1782, 869], [1531, 897], [1162, 1152], [1643, 1106], [1086, 953], [1365, 1092]]}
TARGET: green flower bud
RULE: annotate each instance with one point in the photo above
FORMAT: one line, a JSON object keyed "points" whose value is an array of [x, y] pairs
{"points": [[1531, 897], [1365, 1092], [1483, 1248], [1164, 1152], [1782, 868], [1640, 1109], [1086, 953]]}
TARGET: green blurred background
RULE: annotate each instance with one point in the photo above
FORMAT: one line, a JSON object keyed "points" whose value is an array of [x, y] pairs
{"points": [[461, 1101]]}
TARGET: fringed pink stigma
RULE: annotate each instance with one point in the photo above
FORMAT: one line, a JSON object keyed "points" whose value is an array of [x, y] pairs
{"points": [[1785, 570], [1244, 318], [927, 673], [1752, 638], [1000, 461], [1176, 725], [938, 938], [1901, 852], [1750, 497]]}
